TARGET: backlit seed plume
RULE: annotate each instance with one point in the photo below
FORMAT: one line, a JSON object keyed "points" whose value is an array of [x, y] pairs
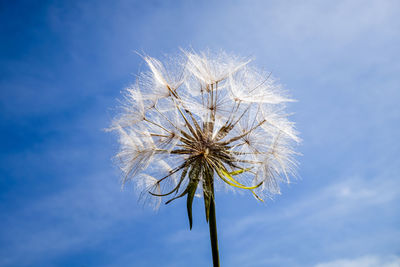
{"points": [[201, 120]]}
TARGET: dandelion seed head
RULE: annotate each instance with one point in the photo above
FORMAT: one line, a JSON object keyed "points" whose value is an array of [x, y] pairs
{"points": [[201, 119]]}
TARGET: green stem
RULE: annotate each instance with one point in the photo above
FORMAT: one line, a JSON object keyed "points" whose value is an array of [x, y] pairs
{"points": [[213, 231]]}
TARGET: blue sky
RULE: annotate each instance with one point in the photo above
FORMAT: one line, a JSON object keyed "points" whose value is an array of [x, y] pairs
{"points": [[63, 65]]}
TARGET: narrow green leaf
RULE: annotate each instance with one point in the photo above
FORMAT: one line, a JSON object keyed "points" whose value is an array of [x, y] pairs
{"points": [[192, 190], [181, 195], [221, 173], [177, 186], [207, 190], [257, 197], [184, 172], [239, 171], [207, 201]]}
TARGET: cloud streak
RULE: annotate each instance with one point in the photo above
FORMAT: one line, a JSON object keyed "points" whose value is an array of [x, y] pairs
{"points": [[366, 261]]}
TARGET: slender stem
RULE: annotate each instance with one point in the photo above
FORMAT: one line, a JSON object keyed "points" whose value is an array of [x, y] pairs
{"points": [[213, 231]]}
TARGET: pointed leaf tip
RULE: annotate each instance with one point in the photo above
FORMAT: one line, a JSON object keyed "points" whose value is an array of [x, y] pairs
{"points": [[191, 191]]}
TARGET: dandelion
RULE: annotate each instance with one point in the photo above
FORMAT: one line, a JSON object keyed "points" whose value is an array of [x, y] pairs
{"points": [[202, 121]]}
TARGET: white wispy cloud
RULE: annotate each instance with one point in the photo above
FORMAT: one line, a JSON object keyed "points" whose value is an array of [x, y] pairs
{"points": [[338, 199], [329, 218], [366, 261]]}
